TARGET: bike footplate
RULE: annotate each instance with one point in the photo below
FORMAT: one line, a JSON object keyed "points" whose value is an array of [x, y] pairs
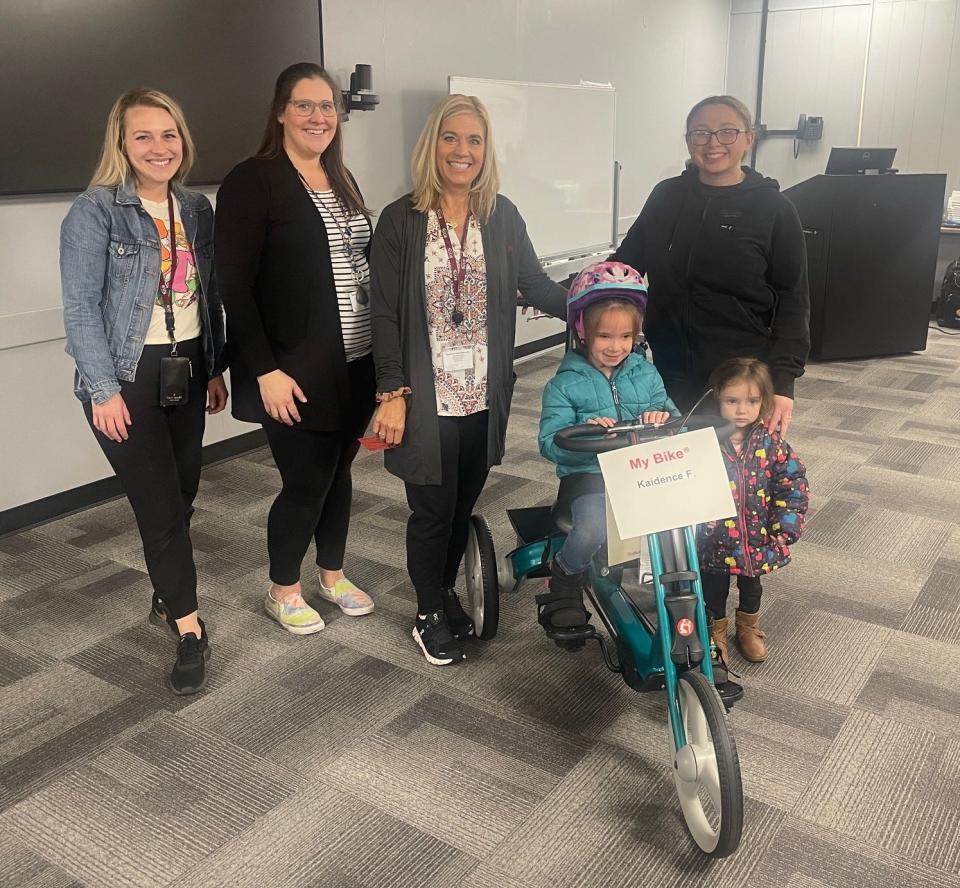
{"points": [[730, 692], [572, 638]]}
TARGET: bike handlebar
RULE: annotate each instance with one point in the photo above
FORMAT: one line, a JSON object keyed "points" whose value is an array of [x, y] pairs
{"points": [[592, 438]]}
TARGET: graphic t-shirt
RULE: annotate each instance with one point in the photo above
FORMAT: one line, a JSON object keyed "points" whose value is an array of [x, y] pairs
{"points": [[186, 282]]}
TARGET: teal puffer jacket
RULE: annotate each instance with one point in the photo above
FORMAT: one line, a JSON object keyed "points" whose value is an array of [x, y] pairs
{"points": [[580, 392]]}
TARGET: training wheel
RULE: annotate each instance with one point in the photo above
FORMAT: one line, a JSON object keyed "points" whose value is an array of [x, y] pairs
{"points": [[483, 588], [706, 771]]}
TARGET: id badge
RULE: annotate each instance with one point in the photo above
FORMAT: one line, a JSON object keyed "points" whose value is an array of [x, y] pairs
{"points": [[457, 359], [360, 298], [175, 373]]}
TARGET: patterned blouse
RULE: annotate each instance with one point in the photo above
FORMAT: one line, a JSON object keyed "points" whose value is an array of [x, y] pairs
{"points": [[459, 392]]}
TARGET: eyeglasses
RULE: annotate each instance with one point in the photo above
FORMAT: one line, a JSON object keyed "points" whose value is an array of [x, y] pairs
{"points": [[726, 136], [303, 108]]}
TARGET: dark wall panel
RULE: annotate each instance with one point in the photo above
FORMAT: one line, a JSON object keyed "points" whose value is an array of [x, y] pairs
{"points": [[64, 62]]}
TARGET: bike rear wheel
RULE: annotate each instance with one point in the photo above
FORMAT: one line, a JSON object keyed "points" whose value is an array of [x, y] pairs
{"points": [[706, 772], [483, 588]]}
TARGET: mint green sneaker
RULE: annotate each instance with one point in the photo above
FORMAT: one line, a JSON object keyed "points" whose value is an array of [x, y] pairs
{"points": [[352, 601], [294, 614]]}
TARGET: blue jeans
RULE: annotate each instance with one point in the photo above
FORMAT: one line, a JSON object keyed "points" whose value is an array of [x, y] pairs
{"points": [[589, 533]]}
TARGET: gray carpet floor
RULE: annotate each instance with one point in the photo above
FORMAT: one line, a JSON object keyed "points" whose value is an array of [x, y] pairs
{"points": [[344, 759]]}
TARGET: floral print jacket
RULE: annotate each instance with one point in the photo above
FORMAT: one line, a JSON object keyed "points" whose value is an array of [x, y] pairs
{"points": [[770, 492]]}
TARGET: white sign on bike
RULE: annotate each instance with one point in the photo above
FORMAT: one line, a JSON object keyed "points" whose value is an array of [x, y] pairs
{"points": [[671, 482], [620, 551]]}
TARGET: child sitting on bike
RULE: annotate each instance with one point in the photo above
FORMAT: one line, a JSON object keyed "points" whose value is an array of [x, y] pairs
{"points": [[770, 492], [600, 381]]}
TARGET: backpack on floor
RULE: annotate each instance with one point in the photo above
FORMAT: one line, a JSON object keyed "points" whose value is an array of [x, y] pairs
{"points": [[948, 305]]}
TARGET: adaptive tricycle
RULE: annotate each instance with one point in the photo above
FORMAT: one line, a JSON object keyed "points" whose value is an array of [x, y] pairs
{"points": [[656, 630]]}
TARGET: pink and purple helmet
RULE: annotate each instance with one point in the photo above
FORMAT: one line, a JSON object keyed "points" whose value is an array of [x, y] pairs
{"points": [[604, 280]]}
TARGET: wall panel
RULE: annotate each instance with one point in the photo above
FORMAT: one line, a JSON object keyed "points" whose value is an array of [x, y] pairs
{"points": [[661, 56], [814, 65], [816, 50]]}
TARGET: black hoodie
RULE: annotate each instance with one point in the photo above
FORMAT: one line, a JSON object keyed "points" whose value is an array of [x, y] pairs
{"points": [[727, 270]]}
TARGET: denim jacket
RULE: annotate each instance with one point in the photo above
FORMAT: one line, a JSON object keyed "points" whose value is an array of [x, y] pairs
{"points": [[110, 273]]}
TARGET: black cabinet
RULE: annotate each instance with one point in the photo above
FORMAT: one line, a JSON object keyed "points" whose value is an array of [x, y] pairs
{"points": [[872, 255]]}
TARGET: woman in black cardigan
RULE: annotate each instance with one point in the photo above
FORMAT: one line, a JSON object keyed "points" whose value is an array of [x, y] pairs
{"points": [[448, 260], [292, 242]]}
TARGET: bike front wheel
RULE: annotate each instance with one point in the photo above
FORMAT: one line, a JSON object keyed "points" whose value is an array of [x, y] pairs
{"points": [[706, 771]]}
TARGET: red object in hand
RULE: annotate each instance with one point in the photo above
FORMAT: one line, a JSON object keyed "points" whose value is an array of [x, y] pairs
{"points": [[373, 443]]}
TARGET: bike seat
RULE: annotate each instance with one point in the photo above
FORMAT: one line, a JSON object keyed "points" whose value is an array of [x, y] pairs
{"points": [[562, 515]]}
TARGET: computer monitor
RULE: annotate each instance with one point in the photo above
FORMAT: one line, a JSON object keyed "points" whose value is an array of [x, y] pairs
{"points": [[844, 161]]}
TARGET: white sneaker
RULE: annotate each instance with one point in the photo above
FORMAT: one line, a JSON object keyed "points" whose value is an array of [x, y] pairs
{"points": [[352, 601]]}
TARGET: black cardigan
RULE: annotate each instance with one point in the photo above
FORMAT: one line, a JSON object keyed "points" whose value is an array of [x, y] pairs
{"points": [[401, 341], [273, 266]]}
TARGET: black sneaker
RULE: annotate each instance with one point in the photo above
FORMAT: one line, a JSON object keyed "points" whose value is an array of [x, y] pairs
{"points": [[436, 640], [189, 673], [460, 624], [159, 617]]}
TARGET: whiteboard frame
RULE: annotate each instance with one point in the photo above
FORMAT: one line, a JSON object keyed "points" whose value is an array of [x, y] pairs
{"points": [[588, 249]]}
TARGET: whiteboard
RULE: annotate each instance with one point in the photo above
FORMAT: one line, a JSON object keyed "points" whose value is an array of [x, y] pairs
{"points": [[555, 144]]}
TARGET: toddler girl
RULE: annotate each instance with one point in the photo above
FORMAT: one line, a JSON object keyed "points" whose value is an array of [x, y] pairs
{"points": [[770, 491]]}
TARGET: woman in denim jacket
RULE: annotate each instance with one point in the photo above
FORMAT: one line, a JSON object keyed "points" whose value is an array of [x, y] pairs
{"points": [[131, 299]]}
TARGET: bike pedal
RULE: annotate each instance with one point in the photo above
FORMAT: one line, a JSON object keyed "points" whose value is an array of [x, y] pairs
{"points": [[730, 692], [570, 634]]}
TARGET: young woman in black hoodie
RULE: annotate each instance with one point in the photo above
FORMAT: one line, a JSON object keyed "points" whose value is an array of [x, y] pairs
{"points": [[724, 254]]}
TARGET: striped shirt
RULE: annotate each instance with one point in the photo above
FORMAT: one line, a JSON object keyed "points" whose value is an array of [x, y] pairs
{"points": [[354, 317]]}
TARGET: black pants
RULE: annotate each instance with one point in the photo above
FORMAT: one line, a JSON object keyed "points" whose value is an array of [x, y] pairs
{"points": [[159, 469], [314, 502], [437, 529], [716, 587]]}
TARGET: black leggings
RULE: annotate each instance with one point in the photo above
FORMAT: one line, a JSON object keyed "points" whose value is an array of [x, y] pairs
{"points": [[314, 502], [159, 469], [437, 529], [716, 587]]}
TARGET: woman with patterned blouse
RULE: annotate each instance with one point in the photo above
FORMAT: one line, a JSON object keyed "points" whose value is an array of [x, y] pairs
{"points": [[446, 264]]}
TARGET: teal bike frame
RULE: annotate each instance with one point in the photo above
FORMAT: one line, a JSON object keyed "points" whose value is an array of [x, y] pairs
{"points": [[648, 648], [652, 654]]}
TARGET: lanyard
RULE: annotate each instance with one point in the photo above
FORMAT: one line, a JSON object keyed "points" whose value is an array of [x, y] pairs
{"points": [[166, 284], [458, 272], [346, 232]]}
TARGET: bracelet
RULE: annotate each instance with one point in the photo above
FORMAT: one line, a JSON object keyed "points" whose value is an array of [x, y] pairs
{"points": [[382, 397]]}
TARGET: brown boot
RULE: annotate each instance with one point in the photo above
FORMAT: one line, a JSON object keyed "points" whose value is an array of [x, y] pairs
{"points": [[750, 637], [718, 635]]}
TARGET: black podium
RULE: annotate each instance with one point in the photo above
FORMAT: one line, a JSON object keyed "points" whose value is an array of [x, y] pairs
{"points": [[872, 254]]}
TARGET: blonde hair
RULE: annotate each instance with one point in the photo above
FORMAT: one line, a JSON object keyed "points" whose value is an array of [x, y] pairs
{"points": [[423, 165], [113, 167]]}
